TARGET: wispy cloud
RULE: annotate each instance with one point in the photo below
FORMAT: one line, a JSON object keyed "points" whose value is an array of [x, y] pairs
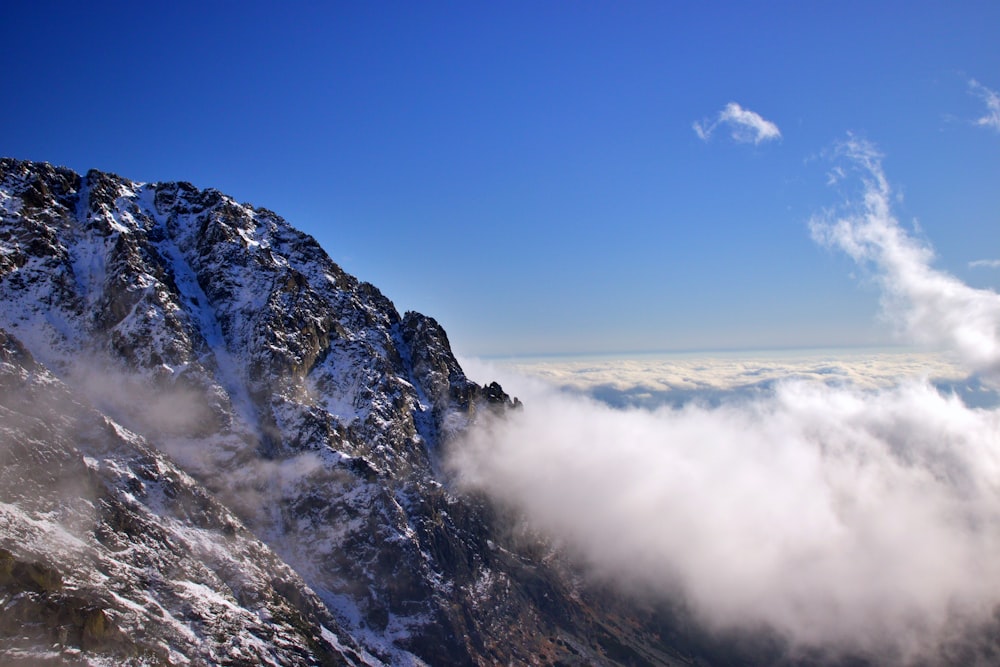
{"points": [[985, 264], [745, 126], [931, 306], [835, 175], [992, 100]]}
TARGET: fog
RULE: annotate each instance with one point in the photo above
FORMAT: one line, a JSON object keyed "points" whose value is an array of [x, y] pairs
{"points": [[842, 515]]}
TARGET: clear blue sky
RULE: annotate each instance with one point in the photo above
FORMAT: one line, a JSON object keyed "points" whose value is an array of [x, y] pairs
{"points": [[528, 172]]}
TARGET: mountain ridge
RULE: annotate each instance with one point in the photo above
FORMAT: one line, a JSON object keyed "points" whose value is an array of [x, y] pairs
{"points": [[221, 347]]}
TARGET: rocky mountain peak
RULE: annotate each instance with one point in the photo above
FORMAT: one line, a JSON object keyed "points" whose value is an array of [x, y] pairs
{"points": [[220, 448]]}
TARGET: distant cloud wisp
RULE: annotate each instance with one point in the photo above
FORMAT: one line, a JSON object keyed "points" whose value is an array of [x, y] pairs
{"points": [[746, 127], [985, 264], [992, 100]]}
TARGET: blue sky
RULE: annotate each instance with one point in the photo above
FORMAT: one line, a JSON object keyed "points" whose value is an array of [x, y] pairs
{"points": [[530, 173]]}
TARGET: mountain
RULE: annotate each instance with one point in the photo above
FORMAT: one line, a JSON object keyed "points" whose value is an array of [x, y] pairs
{"points": [[220, 448], [114, 554]]}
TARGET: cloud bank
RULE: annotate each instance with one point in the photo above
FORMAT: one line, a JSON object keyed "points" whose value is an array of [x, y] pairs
{"points": [[852, 517], [650, 380], [837, 518], [745, 126]]}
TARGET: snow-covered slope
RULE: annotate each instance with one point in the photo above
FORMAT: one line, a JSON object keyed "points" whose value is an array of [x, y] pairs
{"points": [[217, 355], [112, 554]]}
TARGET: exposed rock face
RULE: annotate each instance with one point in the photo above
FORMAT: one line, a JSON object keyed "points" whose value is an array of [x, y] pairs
{"points": [[112, 554], [243, 464]]}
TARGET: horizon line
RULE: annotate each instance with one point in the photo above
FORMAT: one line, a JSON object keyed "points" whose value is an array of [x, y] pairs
{"points": [[859, 347]]}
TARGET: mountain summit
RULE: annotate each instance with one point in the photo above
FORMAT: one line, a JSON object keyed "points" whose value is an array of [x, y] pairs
{"points": [[220, 448]]}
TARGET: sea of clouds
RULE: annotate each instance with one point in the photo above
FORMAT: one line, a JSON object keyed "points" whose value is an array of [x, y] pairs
{"points": [[844, 502]]}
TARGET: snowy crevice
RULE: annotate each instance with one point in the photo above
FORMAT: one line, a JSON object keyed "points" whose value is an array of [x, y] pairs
{"points": [[203, 316]]}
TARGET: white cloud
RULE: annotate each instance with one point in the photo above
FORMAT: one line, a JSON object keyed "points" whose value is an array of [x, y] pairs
{"points": [[839, 518], [929, 305], [860, 516], [745, 126], [992, 100], [985, 264], [835, 175]]}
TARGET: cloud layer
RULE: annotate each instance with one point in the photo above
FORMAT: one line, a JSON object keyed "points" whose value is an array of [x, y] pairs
{"points": [[859, 516], [674, 379], [745, 126], [837, 518]]}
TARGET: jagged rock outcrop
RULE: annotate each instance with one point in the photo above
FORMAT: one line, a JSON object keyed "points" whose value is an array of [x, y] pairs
{"points": [[112, 553], [231, 388]]}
